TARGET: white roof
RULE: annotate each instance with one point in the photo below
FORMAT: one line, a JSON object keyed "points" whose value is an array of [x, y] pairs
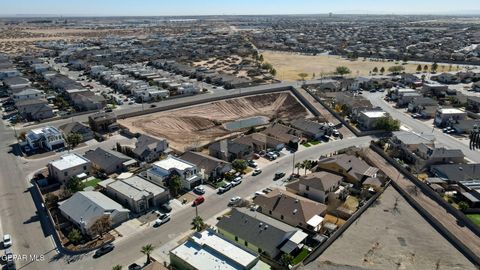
{"points": [[375, 114], [173, 163], [451, 111], [206, 250], [69, 161], [315, 221]]}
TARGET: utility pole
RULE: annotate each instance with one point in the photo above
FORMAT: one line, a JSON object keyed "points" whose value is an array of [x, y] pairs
{"points": [[293, 164]]}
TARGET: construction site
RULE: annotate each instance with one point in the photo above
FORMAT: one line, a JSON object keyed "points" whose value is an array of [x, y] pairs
{"points": [[195, 126]]}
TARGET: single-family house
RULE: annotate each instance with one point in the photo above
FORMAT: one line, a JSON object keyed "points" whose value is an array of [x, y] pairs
{"points": [[353, 169], [136, 193], [260, 233], [211, 167], [290, 208], [68, 166], [260, 141], [48, 138], [28, 93], [145, 148], [162, 171], [34, 109], [448, 116], [230, 150], [310, 129], [109, 161], [103, 121], [368, 120], [78, 128], [85, 208], [317, 186]]}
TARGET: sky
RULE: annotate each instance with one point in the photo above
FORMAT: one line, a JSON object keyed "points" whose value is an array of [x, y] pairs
{"points": [[237, 7]]}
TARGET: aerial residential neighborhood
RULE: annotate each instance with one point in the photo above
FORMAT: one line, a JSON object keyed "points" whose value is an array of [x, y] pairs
{"points": [[241, 135]]}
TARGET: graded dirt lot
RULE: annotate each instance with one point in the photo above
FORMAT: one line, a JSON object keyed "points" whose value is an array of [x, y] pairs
{"points": [[198, 125], [389, 237], [289, 65]]}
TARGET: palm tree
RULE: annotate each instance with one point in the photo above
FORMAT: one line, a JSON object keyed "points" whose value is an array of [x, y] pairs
{"points": [[117, 267], [298, 166], [307, 165], [198, 223], [147, 250]]}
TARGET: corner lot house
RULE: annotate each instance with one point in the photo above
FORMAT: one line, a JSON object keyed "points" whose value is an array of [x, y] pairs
{"points": [[260, 233], [206, 250], [136, 193], [84, 208], [78, 128], [368, 120], [145, 148], [47, 138], [316, 186], [109, 161], [162, 170], [69, 166]]}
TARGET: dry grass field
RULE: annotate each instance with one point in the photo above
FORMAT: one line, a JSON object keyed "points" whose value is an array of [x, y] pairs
{"points": [[289, 65], [199, 125], [391, 234]]}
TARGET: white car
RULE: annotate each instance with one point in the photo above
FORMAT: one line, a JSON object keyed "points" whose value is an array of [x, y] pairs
{"points": [[162, 219], [259, 193], [199, 190], [234, 200], [7, 241], [237, 181]]}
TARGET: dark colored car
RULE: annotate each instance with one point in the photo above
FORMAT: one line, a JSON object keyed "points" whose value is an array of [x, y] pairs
{"points": [[278, 175], [103, 250], [134, 266], [166, 208]]}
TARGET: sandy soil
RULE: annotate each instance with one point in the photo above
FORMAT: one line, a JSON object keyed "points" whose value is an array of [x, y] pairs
{"points": [[389, 237], [200, 125], [289, 65]]}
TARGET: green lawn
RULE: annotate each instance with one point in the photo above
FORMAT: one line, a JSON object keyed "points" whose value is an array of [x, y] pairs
{"points": [[91, 183], [220, 184], [475, 218], [306, 144], [314, 142], [302, 255]]}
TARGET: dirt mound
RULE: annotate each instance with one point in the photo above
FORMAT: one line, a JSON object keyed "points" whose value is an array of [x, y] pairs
{"points": [[199, 125]]}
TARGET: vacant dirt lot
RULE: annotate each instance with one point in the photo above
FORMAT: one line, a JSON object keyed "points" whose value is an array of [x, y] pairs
{"points": [[391, 235], [289, 65], [199, 125]]}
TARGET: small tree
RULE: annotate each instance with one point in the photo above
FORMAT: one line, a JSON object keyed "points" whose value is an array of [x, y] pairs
{"points": [[396, 69], [147, 250], [101, 226], [74, 236], [425, 68], [388, 124], [117, 267], [51, 200], [286, 259], [375, 70], [419, 68], [175, 184], [273, 72], [382, 70], [198, 223], [463, 206], [73, 139], [302, 76], [260, 58], [307, 165], [342, 70], [313, 75], [239, 165], [434, 67], [74, 184]]}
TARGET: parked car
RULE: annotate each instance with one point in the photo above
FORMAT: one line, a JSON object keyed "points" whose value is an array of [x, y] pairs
{"points": [[166, 207], [237, 181], [164, 218], [199, 190], [252, 164], [267, 190], [103, 250], [134, 266], [258, 193], [7, 241], [225, 188], [234, 200], [198, 201], [256, 172], [278, 175], [153, 106]]}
